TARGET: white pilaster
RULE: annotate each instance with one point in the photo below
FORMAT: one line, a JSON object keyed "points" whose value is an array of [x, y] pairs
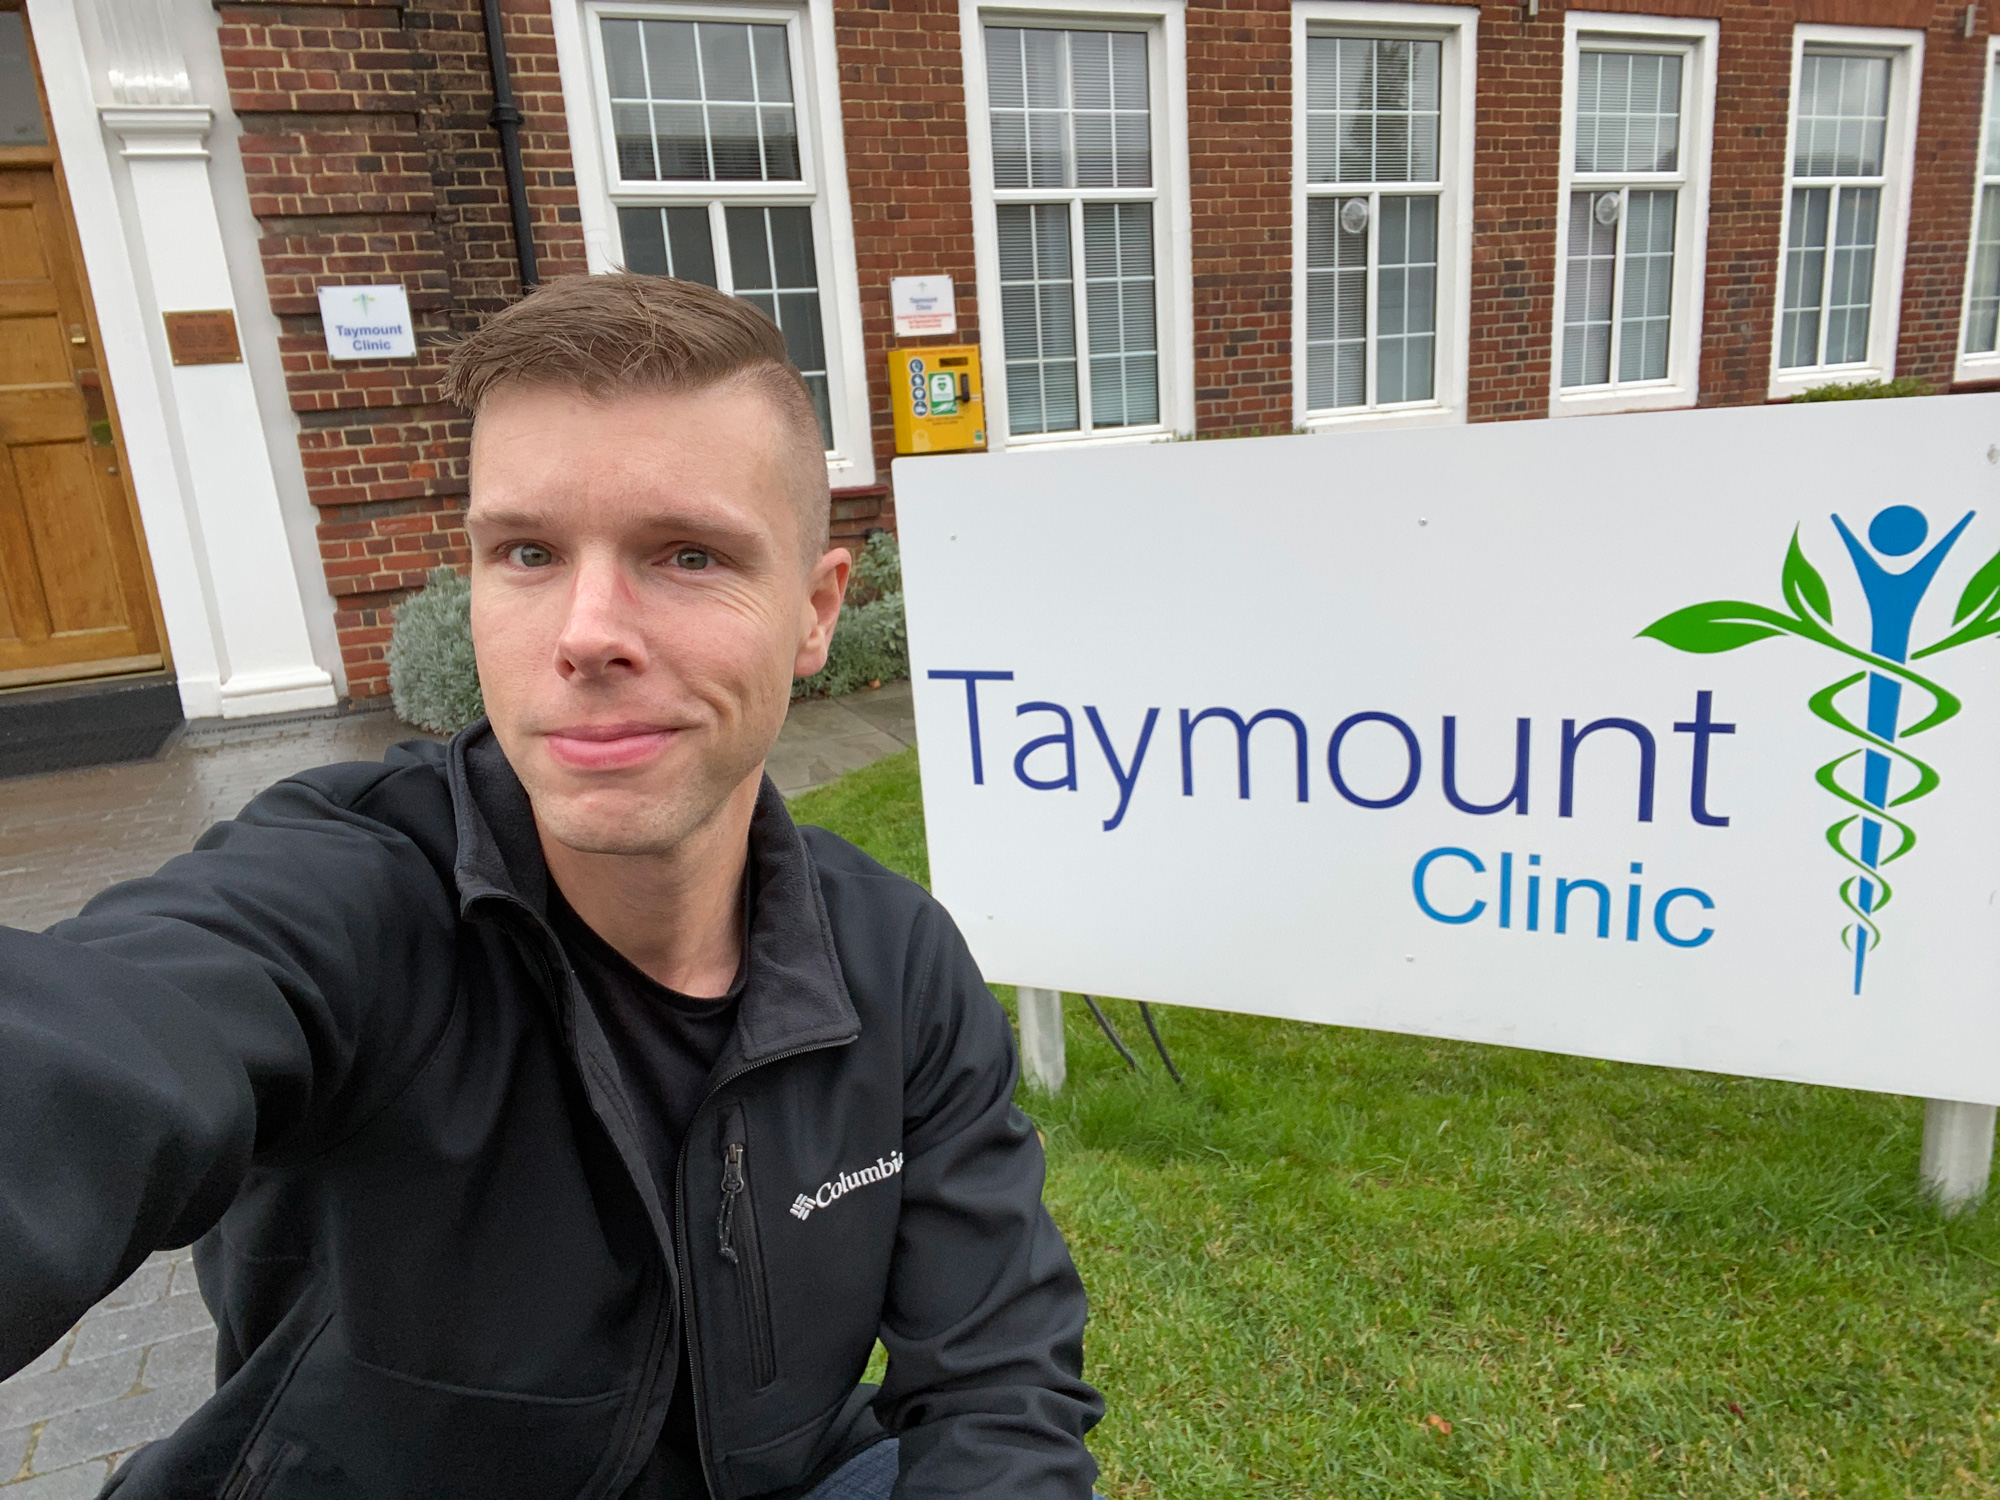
{"points": [[263, 651]]}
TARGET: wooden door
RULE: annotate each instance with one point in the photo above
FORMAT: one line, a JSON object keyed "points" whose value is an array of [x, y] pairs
{"points": [[75, 598]]}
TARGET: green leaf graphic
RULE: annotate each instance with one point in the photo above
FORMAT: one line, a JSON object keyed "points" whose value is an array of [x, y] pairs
{"points": [[1720, 625], [1982, 593], [1805, 590]]}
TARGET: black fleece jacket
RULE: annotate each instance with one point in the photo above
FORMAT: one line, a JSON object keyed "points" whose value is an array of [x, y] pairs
{"points": [[340, 1047]]}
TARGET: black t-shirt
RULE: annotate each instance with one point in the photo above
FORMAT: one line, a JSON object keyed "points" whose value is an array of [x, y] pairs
{"points": [[666, 1044]]}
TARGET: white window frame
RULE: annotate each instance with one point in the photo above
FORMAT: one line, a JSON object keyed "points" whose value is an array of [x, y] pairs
{"points": [[1164, 24], [1905, 51], [823, 183], [1984, 365], [1457, 28], [1695, 41]]}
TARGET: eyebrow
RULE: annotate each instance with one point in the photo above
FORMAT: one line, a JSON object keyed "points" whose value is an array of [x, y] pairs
{"points": [[694, 522]]}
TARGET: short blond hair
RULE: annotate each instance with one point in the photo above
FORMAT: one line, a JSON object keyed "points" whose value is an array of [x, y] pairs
{"points": [[610, 335]]}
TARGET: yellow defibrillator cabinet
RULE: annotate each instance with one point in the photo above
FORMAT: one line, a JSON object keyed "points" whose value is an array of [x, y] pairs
{"points": [[934, 393]]}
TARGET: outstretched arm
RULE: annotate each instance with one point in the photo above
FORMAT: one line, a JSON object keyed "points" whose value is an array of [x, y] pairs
{"points": [[152, 1046]]}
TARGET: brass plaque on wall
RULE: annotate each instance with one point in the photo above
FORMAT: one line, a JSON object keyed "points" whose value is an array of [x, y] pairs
{"points": [[203, 338]]}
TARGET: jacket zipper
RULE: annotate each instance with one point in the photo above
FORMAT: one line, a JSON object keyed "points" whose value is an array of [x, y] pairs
{"points": [[690, 1322], [748, 1259]]}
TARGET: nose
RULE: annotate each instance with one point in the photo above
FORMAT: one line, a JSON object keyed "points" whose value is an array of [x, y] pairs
{"points": [[600, 632]]}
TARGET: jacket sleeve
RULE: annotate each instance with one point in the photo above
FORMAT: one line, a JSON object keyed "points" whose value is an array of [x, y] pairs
{"points": [[985, 1311], [153, 1045]]}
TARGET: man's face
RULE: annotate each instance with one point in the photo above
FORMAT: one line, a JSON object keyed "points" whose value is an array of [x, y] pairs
{"points": [[640, 603]]}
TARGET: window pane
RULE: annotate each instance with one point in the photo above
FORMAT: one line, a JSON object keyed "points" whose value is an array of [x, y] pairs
{"points": [[1982, 329], [1118, 292], [1843, 113], [1805, 277], [1336, 303], [1406, 300], [1851, 287], [1068, 108], [668, 242], [1037, 317], [701, 101], [1628, 112], [1371, 109], [772, 263], [1592, 257], [1646, 304], [1992, 154]]}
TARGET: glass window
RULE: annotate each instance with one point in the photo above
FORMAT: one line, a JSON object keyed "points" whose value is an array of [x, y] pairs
{"points": [[20, 105], [1626, 179], [701, 101], [1837, 178], [1373, 183], [696, 105], [1982, 319], [1071, 120]]}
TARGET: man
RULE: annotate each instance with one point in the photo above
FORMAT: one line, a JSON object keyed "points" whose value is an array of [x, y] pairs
{"points": [[554, 1117]]}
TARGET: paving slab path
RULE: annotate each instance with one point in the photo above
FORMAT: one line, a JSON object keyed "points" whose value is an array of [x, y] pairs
{"points": [[143, 1359]]}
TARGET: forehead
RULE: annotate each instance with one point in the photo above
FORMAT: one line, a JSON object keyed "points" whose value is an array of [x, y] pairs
{"points": [[634, 458]]}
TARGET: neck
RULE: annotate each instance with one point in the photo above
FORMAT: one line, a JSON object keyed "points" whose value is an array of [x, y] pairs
{"points": [[677, 916]]}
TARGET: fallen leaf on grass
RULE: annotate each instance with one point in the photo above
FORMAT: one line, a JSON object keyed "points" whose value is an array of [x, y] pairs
{"points": [[1443, 1427]]}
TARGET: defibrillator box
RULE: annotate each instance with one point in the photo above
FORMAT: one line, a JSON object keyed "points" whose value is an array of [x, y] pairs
{"points": [[935, 395]]}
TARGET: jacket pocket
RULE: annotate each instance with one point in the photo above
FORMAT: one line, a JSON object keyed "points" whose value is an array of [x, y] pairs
{"points": [[345, 1429], [737, 1242]]}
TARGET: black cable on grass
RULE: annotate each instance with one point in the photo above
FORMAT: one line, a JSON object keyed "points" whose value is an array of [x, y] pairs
{"points": [[1110, 1031], [1159, 1046]]}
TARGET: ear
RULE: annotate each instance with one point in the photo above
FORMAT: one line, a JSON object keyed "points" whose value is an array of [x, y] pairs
{"points": [[826, 586]]}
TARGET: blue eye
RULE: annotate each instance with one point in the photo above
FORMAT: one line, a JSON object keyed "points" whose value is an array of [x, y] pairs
{"points": [[691, 557], [530, 555]]}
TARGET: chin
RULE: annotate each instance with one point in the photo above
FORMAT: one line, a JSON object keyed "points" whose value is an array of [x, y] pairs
{"points": [[616, 823]]}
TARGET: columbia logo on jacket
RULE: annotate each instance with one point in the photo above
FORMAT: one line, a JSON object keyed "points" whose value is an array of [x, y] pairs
{"points": [[845, 1183]]}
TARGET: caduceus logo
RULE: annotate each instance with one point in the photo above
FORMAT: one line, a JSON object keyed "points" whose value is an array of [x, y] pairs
{"points": [[1890, 777]]}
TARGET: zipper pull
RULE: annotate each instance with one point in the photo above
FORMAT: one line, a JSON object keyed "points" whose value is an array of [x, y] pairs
{"points": [[732, 1184]]}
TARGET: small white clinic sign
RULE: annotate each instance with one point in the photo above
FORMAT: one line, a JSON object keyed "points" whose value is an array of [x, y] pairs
{"points": [[1669, 738], [367, 322]]}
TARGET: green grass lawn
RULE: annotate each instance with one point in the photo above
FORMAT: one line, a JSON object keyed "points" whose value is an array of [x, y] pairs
{"points": [[1341, 1263]]}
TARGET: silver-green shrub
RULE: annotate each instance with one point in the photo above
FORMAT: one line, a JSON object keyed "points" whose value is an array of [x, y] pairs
{"points": [[433, 680]]}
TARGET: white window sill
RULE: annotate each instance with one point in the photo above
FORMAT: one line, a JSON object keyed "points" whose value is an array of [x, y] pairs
{"points": [[1593, 402], [1789, 383], [1976, 367], [1430, 414], [1123, 437]]}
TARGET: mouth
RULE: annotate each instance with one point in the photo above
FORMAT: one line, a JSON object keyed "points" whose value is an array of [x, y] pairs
{"points": [[607, 747]]}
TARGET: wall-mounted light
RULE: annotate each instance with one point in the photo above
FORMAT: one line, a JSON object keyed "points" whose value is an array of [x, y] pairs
{"points": [[1970, 20]]}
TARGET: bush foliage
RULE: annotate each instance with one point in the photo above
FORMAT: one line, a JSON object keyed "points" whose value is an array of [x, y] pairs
{"points": [[433, 680], [1868, 390]]}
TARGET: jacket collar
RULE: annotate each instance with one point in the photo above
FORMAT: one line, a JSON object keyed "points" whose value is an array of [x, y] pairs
{"points": [[794, 995]]}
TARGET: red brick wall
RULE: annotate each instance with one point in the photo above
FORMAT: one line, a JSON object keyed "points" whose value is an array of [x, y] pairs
{"points": [[1239, 90], [902, 98], [1942, 193], [369, 158]]}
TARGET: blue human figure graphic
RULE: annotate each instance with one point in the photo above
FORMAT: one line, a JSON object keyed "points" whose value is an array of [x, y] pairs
{"points": [[1892, 608]]}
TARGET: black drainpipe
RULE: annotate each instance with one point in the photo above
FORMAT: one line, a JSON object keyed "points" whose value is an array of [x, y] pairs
{"points": [[506, 119]]}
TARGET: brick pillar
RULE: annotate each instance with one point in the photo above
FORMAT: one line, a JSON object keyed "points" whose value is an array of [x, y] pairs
{"points": [[1239, 89]]}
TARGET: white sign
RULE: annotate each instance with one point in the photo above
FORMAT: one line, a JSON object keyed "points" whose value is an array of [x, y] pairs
{"points": [[367, 322], [1669, 738], [922, 304]]}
